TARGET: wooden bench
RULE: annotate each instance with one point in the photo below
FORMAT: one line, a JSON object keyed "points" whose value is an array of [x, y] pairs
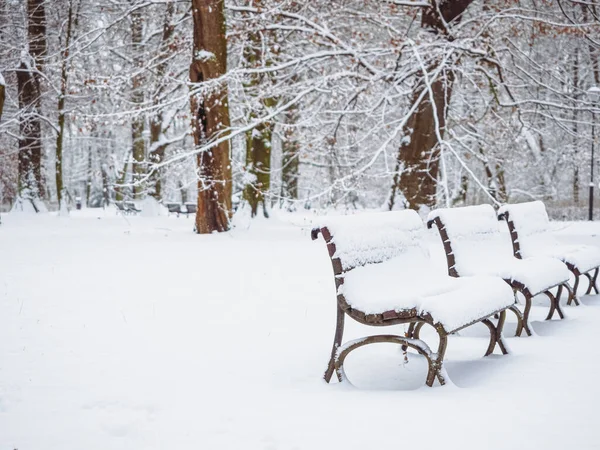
{"points": [[174, 208], [130, 206], [384, 276], [529, 229], [474, 245], [126, 208], [190, 208]]}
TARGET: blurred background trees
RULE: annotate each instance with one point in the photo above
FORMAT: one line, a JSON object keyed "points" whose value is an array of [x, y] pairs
{"points": [[330, 104]]}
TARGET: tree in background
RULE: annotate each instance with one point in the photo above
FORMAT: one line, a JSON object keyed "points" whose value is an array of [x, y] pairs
{"points": [[210, 116], [31, 185]]}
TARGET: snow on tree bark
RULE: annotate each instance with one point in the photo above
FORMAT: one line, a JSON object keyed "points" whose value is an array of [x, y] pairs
{"points": [[29, 94], [210, 116]]}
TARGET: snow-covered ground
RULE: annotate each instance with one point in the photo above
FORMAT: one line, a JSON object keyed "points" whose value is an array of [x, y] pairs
{"points": [[134, 333]]}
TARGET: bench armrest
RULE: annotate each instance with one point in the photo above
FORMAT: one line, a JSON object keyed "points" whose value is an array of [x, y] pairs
{"points": [[314, 233]]}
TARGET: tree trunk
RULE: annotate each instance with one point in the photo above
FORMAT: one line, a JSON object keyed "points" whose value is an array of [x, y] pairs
{"points": [[121, 177], [157, 152], [258, 165], [88, 178], [290, 158], [258, 140], [29, 93], [30, 143], [210, 116], [575, 158], [418, 156], [64, 75], [2, 95], [137, 98]]}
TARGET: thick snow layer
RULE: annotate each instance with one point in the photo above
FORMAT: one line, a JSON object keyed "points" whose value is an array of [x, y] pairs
{"points": [[480, 248], [404, 278], [396, 285], [129, 333], [373, 237], [536, 237]]}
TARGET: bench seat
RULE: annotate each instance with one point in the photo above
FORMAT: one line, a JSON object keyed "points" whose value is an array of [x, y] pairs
{"points": [[474, 245], [584, 257], [451, 302], [539, 274], [531, 235], [384, 276]]}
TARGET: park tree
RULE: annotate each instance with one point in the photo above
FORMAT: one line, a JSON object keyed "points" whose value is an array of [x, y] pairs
{"points": [[210, 116]]}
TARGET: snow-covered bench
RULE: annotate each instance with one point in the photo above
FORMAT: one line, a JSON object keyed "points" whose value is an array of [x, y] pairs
{"points": [[474, 245], [174, 208], [126, 208], [529, 228], [384, 276]]}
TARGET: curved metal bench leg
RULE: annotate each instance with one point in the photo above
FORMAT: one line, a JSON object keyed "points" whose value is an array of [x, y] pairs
{"points": [[589, 288], [517, 313], [439, 371], [499, 335], [433, 366], [526, 325], [337, 341], [557, 306], [554, 303], [570, 293], [493, 337], [417, 331], [496, 334], [573, 296], [409, 334], [595, 280]]}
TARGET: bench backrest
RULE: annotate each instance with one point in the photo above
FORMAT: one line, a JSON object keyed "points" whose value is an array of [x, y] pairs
{"points": [[191, 208], [120, 206], [371, 238], [529, 227], [174, 207], [471, 236]]}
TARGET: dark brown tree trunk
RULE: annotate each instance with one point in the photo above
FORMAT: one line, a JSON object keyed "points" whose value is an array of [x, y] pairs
{"points": [[29, 93], [418, 157], [30, 143], [210, 116], [2, 95]]}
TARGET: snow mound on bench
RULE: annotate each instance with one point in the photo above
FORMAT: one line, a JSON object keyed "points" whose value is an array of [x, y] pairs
{"points": [[397, 285], [536, 239], [375, 237]]}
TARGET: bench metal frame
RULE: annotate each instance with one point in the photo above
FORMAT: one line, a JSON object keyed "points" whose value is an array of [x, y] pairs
{"points": [[592, 278], [416, 321], [522, 320]]}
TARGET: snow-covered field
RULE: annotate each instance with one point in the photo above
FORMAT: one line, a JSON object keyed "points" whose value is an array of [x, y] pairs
{"points": [[134, 333]]}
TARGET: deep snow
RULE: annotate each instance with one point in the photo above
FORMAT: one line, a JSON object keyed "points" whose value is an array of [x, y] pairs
{"points": [[134, 333]]}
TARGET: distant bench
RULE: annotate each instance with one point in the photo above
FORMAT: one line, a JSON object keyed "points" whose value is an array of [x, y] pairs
{"points": [[384, 276], [127, 208], [529, 228], [176, 208], [474, 245]]}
